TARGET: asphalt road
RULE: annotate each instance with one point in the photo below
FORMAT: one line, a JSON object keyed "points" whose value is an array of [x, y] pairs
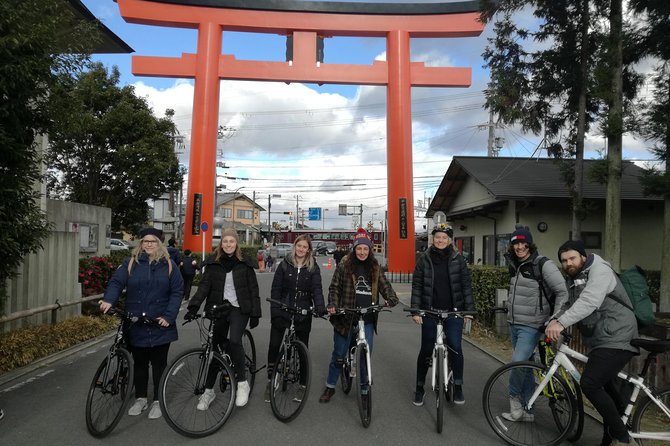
{"points": [[47, 404]]}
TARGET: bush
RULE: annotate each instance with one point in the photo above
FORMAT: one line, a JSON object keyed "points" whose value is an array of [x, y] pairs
{"points": [[26, 345], [485, 281], [94, 273]]}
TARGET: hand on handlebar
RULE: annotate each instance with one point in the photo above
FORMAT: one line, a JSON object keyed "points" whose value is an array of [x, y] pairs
{"points": [[332, 309], [418, 319], [554, 329], [162, 322], [104, 306]]}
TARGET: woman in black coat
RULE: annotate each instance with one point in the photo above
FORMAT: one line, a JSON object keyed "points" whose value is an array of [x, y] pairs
{"points": [[229, 282], [297, 282]]}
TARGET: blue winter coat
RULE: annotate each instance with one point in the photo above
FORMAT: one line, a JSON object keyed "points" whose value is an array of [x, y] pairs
{"points": [[150, 290]]}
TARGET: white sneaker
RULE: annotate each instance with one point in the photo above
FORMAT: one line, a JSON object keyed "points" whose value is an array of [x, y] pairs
{"points": [[206, 399], [139, 406], [155, 411], [242, 397]]}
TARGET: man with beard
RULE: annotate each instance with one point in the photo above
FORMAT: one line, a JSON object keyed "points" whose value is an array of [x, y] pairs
{"points": [[606, 326]]}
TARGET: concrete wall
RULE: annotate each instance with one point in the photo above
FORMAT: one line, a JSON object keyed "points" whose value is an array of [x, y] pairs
{"points": [[91, 223]]}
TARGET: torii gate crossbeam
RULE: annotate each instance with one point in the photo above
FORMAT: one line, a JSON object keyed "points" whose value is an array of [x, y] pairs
{"points": [[397, 23]]}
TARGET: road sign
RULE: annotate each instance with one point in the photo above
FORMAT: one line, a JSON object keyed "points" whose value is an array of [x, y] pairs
{"points": [[314, 214], [204, 226]]}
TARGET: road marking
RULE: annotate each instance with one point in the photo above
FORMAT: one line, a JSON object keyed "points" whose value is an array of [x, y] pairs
{"points": [[29, 380]]}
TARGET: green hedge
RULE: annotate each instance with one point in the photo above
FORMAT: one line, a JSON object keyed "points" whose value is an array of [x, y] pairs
{"points": [[485, 281]]}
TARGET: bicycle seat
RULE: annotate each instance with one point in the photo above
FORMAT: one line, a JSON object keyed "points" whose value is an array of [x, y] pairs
{"points": [[652, 345]]}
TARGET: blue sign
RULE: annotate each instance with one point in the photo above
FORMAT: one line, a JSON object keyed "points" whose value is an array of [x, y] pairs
{"points": [[204, 226], [314, 213]]}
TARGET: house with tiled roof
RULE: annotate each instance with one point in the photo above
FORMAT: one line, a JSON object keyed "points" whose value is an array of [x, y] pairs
{"points": [[484, 198]]}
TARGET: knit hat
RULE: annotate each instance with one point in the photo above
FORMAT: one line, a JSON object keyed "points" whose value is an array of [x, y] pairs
{"points": [[572, 245], [362, 238], [443, 227], [151, 231], [230, 232], [522, 235]]}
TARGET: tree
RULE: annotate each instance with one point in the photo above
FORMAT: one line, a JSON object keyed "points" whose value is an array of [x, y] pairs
{"points": [[108, 149], [39, 42], [655, 125]]}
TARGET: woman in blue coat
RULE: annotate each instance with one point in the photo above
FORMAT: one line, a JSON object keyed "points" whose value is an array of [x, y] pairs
{"points": [[153, 288]]}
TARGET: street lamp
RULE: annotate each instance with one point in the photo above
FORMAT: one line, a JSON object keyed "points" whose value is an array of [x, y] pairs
{"points": [[234, 200]]}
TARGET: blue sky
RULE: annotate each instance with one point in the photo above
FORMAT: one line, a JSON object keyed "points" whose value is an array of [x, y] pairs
{"points": [[313, 141]]}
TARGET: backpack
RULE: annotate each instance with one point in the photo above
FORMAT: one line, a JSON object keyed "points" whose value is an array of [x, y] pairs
{"points": [[538, 263], [635, 283]]}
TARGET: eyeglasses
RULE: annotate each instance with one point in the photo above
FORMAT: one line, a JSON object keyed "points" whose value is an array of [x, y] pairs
{"points": [[150, 242]]}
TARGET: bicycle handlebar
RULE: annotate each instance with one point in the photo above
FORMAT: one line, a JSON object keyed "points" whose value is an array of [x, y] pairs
{"points": [[292, 308], [362, 310], [439, 314], [131, 317]]}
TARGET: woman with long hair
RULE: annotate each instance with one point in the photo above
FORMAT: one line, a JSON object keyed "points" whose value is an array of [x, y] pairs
{"points": [[297, 282], [358, 282], [229, 283], [154, 288]]}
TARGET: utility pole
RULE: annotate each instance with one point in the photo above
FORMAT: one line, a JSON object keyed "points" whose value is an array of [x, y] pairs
{"points": [[297, 205]]}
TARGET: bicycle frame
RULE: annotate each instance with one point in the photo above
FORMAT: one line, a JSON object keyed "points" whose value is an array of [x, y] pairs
{"points": [[361, 340], [562, 359], [440, 345]]}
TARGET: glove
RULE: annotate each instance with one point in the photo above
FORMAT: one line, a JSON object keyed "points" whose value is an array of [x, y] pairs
{"points": [[321, 311], [253, 322], [190, 315]]}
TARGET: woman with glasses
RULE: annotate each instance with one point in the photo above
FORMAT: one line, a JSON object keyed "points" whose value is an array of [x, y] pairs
{"points": [[154, 288]]}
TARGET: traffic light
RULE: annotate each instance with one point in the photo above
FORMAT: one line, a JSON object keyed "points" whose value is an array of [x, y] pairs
{"points": [[288, 213]]}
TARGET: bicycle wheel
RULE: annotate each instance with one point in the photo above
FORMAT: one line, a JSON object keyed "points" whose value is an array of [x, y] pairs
{"points": [[183, 385], [578, 428], [249, 358], [650, 419], [438, 363], [290, 382], [547, 423], [109, 393], [363, 387], [345, 376]]}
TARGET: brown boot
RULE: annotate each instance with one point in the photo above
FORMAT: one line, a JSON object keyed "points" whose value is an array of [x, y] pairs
{"points": [[327, 395]]}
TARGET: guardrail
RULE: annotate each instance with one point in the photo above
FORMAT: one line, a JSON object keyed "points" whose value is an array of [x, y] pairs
{"points": [[53, 308]]}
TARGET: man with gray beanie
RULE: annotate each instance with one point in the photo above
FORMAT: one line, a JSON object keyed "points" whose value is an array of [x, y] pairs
{"points": [[606, 326]]}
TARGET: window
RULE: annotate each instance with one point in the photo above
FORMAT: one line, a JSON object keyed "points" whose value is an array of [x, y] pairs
{"points": [[227, 212], [592, 240], [466, 246], [245, 214], [494, 250]]}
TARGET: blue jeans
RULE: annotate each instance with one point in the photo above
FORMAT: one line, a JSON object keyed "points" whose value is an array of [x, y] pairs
{"points": [[524, 342], [341, 349], [454, 334]]}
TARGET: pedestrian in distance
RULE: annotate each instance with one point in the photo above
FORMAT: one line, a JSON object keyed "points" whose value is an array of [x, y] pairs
{"points": [[175, 255], [188, 267], [229, 283], [154, 288], [358, 281], [441, 281], [269, 261], [600, 308], [535, 285], [297, 282]]}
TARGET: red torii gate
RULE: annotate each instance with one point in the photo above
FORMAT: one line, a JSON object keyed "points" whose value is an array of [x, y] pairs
{"points": [[305, 21]]}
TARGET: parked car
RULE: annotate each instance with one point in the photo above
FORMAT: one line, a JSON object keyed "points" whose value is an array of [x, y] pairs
{"points": [[322, 247], [279, 251], [116, 244]]}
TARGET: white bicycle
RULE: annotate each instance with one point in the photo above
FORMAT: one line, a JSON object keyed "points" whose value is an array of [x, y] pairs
{"points": [[550, 412]]}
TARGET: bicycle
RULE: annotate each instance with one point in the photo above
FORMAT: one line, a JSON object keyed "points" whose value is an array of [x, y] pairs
{"points": [[291, 377], [112, 384], [357, 363], [184, 382], [546, 421], [442, 374]]}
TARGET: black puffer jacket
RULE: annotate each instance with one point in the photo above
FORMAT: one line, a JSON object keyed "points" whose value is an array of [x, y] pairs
{"points": [[297, 287], [212, 284], [459, 278]]}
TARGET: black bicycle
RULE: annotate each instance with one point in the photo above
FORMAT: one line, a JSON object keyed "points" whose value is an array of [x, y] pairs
{"points": [[291, 377], [357, 364], [183, 385], [112, 384]]}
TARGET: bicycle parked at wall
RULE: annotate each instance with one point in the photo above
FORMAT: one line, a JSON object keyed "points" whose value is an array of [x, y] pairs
{"points": [[183, 381], [550, 412], [357, 364], [112, 385], [442, 374], [291, 377]]}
